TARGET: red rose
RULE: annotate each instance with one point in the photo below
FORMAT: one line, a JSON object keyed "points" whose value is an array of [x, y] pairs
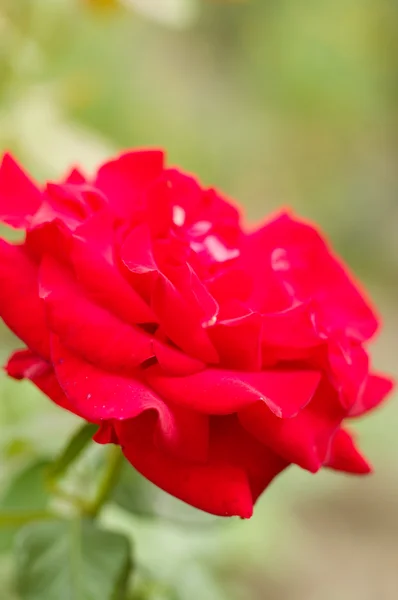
{"points": [[214, 356]]}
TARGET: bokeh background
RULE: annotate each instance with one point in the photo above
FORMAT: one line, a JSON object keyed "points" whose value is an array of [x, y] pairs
{"points": [[276, 102]]}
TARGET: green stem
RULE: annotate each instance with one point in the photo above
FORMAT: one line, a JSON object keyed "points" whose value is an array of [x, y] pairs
{"points": [[18, 518], [75, 501], [108, 482], [75, 446]]}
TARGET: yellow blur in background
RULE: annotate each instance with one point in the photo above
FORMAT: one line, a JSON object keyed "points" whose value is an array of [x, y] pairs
{"points": [[275, 102]]}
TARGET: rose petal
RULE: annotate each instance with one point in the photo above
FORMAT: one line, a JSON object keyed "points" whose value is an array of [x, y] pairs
{"points": [[344, 456], [304, 439], [137, 257], [230, 442], [221, 392], [237, 471], [202, 305], [159, 207], [350, 368], [20, 305], [98, 396], [309, 270], [125, 179], [24, 364], [90, 330], [69, 203], [292, 327], [94, 263], [75, 176], [238, 342], [231, 284], [377, 388], [20, 198], [180, 321], [172, 361]]}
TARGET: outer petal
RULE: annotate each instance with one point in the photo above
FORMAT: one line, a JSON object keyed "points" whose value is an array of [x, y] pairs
{"points": [[237, 471], [89, 249], [101, 396], [159, 207], [231, 443], [75, 176], [125, 179], [91, 331], [199, 206], [303, 262], [20, 305], [69, 203], [24, 364], [350, 368], [304, 439], [221, 392], [377, 388], [344, 456], [20, 198]]}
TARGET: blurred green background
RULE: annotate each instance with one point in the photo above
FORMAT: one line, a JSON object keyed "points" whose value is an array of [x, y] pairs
{"points": [[276, 102]]}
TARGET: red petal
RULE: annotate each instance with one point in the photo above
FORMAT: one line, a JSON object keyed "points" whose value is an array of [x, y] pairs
{"points": [[24, 364], [344, 456], [201, 205], [52, 237], [376, 390], [99, 396], [106, 434], [125, 179], [69, 203], [180, 322], [304, 439], [231, 443], [159, 207], [203, 308], [88, 329], [173, 361], [350, 368], [237, 471], [92, 255], [238, 342], [231, 284], [292, 327], [76, 177], [20, 305], [187, 195], [180, 301], [137, 252], [309, 270], [20, 198], [220, 392]]}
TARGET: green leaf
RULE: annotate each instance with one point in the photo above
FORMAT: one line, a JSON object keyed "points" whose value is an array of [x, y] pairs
{"points": [[71, 560], [26, 494], [133, 493], [74, 447]]}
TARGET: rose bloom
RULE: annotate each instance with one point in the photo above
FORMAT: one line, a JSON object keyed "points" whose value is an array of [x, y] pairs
{"points": [[214, 355]]}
